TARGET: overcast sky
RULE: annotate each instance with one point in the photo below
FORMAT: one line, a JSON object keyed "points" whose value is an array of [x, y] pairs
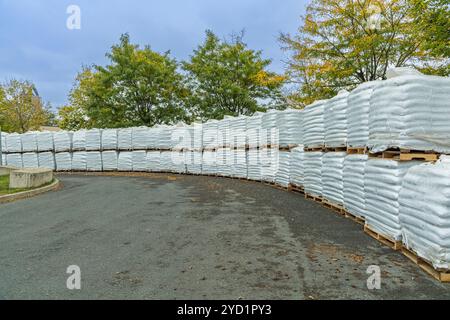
{"points": [[36, 45]]}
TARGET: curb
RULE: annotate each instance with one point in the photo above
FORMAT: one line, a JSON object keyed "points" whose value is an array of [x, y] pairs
{"points": [[28, 194]]}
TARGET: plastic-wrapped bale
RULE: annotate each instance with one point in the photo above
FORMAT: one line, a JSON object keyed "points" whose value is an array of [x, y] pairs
{"points": [[153, 138], [63, 161], [125, 161], [290, 127], [45, 141], [178, 162], [110, 160], [296, 171], [223, 132], [254, 130], [46, 160], [79, 161], [109, 139], [253, 165], [410, 112], [63, 141], [196, 133], [166, 161], [269, 164], [209, 162], [354, 198], [30, 160], [193, 161], [29, 142], [332, 176], [269, 134], [358, 106], [13, 143], [313, 125], [140, 137], [14, 160], [313, 173], [153, 159], [165, 137], [382, 184], [425, 212], [335, 120], [210, 134], [125, 139], [282, 175], [94, 161], [239, 163], [139, 160], [79, 140], [94, 140], [238, 132], [180, 137], [224, 162]]}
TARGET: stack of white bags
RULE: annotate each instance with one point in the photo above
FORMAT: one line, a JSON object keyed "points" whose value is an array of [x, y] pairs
{"points": [[282, 175], [269, 131], [313, 173], [313, 125], [354, 198], [332, 176], [253, 165], [290, 127], [335, 120], [253, 130], [296, 171]]}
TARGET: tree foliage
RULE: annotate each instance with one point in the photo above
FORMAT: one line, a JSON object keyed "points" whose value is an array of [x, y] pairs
{"points": [[138, 87], [227, 78], [20, 109], [342, 43]]}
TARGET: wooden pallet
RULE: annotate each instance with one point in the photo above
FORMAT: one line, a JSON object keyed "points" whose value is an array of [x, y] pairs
{"points": [[313, 197], [335, 149], [391, 243], [406, 155], [296, 189], [314, 149], [351, 150], [354, 218], [334, 206], [441, 275], [288, 147]]}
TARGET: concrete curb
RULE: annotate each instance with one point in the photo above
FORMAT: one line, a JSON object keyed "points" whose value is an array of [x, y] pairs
{"points": [[31, 193]]}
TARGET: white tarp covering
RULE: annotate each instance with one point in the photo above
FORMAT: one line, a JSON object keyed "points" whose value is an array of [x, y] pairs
{"points": [[425, 212], [94, 161], [335, 120], [269, 164], [153, 161], [210, 134], [358, 107], [332, 176], [125, 138], [282, 175], [14, 160], [29, 142], [93, 140], [79, 140], [79, 161], [13, 143], [47, 160], [193, 161], [63, 161], [313, 124], [382, 183], [109, 139], [253, 129], [109, 160], [239, 163], [63, 141], [290, 127], [269, 131], [354, 198], [44, 141], [209, 162], [297, 174], [30, 160], [139, 159], [125, 161], [253, 165], [313, 173], [411, 112]]}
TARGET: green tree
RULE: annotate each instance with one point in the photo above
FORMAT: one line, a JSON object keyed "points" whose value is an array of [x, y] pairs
{"points": [[72, 118], [227, 78], [344, 43], [21, 109], [138, 87]]}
